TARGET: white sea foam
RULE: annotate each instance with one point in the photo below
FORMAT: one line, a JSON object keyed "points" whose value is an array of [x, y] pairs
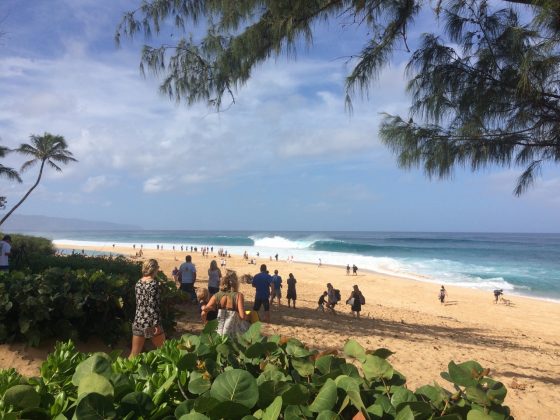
{"points": [[279, 242]]}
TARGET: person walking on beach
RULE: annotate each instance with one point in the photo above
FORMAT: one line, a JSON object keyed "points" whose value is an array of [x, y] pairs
{"points": [[442, 295], [147, 319], [187, 272], [5, 253], [332, 298], [214, 276], [291, 295], [275, 288], [261, 282], [356, 300], [354, 270], [347, 269]]}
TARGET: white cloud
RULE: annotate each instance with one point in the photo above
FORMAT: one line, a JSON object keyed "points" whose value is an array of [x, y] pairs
{"points": [[157, 184], [96, 182]]}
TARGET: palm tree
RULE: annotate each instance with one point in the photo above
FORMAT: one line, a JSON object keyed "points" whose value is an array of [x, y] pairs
{"points": [[45, 149], [4, 170]]}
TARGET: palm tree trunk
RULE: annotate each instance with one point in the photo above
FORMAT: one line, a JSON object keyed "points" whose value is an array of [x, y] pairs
{"points": [[26, 195]]}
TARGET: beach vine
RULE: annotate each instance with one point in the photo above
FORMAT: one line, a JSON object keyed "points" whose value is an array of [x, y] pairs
{"points": [[209, 376]]}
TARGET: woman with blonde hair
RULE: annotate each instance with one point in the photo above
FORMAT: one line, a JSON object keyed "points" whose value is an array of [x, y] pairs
{"points": [[147, 319], [214, 277], [227, 299]]}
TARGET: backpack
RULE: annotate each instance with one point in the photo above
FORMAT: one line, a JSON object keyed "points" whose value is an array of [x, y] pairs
{"points": [[337, 295]]}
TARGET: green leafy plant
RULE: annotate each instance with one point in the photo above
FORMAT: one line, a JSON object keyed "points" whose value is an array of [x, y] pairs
{"points": [[64, 303], [208, 376]]}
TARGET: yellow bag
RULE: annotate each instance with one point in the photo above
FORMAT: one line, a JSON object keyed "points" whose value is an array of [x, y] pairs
{"points": [[252, 316]]}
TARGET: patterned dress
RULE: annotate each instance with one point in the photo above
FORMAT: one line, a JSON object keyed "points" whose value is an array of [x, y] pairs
{"points": [[148, 314]]}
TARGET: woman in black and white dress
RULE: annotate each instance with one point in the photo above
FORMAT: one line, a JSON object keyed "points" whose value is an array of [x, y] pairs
{"points": [[147, 319]]}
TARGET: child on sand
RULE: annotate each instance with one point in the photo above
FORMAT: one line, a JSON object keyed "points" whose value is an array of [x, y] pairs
{"points": [[321, 302], [203, 296]]}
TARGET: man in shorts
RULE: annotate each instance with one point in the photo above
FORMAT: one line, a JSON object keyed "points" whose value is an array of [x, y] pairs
{"points": [[187, 272], [261, 282], [276, 288]]}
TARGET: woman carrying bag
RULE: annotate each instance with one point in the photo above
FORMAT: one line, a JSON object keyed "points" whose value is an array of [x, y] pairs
{"points": [[230, 306], [356, 300]]}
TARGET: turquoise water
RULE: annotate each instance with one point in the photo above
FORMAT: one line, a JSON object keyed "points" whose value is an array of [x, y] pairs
{"points": [[525, 264]]}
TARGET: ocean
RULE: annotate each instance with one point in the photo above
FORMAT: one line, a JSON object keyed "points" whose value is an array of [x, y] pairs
{"points": [[520, 264]]}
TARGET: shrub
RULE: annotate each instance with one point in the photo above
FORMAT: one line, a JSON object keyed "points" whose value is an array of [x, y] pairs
{"points": [[28, 249], [254, 377], [65, 303]]}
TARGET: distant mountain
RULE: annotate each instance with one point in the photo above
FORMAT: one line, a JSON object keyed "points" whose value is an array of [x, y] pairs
{"points": [[28, 223]]}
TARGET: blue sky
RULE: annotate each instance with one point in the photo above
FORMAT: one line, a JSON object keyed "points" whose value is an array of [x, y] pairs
{"points": [[286, 156]]}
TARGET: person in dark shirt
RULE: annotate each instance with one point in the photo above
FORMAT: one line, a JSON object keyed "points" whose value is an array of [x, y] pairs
{"points": [[321, 302], [261, 282]]}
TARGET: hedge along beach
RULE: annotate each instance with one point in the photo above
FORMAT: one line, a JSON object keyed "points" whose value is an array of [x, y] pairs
{"points": [[518, 342]]}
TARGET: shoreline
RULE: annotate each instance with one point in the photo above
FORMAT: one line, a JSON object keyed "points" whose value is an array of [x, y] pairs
{"points": [[415, 277]]}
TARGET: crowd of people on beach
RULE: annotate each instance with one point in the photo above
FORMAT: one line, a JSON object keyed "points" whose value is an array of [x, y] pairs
{"points": [[221, 294], [222, 300]]}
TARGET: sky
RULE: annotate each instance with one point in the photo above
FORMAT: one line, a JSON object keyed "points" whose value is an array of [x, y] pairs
{"points": [[285, 156]]}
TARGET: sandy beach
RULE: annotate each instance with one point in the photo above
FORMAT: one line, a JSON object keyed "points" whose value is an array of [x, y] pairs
{"points": [[520, 343]]}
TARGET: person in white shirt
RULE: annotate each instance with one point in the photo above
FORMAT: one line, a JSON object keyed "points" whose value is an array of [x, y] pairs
{"points": [[5, 252]]}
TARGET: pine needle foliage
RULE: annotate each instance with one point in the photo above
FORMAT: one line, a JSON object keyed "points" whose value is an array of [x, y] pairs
{"points": [[484, 89]]}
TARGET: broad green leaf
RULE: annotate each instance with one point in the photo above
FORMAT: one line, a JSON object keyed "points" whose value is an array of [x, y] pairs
{"points": [[478, 415], [303, 366], [272, 412], [187, 362], [375, 367], [353, 349], [376, 410], [34, 413], [497, 393], [421, 410], [349, 369], [269, 390], [464, 374], [194, 416], [325, 364], [137, 402], [94, 407], [352, 389], [297, 394], [293, 412], [205, 404], [228, 410], [236, 385], [296, 349], [328, 415], [255, 350], [326, 398], [210, 327], [184, 408], [198, 384], [432, 393], [401, 395], [478, 395], [99, 363], [22, 396], [405, 414], [253, 334], [95, 383]]}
